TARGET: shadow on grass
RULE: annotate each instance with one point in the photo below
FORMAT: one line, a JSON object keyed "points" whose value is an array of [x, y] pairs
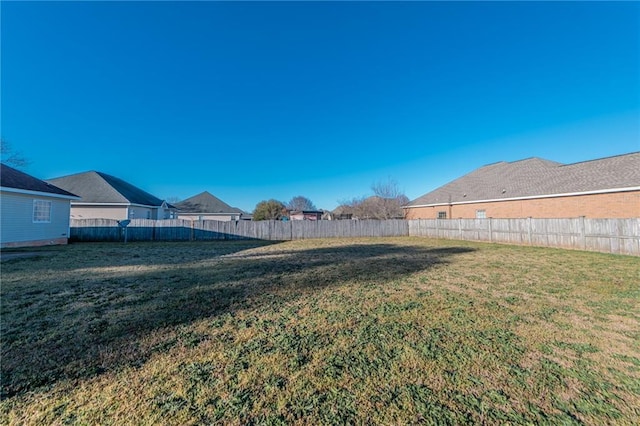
{"points": [[78, 328], [109, 254]]}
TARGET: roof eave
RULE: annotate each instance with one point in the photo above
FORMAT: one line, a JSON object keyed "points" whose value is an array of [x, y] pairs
{"points": [[78, 203], [530, 197], [38, 193]]}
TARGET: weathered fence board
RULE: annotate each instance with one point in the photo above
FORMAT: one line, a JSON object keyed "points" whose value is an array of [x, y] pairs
{"points": [[606, 235], [186, 230], [621, 236]]}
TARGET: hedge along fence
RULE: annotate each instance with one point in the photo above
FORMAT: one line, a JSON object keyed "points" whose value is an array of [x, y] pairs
{"points": [[621, 236]]}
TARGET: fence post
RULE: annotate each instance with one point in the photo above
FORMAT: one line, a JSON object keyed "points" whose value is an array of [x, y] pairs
{"points": [[490, 229], [637, 238], [529, 229], [460, 228], [583, 235], [610, 233]]}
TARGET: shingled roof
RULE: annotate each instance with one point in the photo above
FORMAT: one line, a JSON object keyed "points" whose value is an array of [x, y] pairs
{"points": [[536, 177], [15, 179], [97, 187], [205, 202]]}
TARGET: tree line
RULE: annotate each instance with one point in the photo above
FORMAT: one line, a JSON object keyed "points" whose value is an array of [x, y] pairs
{"points": [[276, 210], [385, 203]]}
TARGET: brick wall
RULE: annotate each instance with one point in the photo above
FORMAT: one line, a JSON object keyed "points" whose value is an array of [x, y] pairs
{"points": [[614, 205]]}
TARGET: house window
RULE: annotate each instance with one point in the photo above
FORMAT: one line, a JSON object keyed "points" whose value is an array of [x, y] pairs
{"points": [[442, 215], [41, 211], [481, 214]]}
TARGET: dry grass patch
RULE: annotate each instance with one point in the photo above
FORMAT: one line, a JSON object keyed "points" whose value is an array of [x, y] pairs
{"points": [[366, 331]]}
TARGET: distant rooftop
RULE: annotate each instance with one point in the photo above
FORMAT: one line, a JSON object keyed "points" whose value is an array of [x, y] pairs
{"points": [[98, 187], [537, 177], [205, 202]]}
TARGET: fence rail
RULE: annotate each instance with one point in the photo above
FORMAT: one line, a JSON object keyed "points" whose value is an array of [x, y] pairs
{"points": [[620, 236]]}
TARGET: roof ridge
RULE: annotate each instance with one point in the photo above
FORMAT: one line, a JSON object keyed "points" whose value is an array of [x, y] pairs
{"points": [[97, 186], [535, 158], [603, 158], [102, 175], [75, 174], [128, 185], [203, 201], [492, 164]]}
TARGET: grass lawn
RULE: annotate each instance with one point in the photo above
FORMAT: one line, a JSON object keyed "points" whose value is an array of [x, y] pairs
{"points": [[335, 331]]}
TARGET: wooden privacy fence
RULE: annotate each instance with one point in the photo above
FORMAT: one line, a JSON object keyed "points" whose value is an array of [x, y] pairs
{"points": [[605, 235], [204, 230], [620, 236]]}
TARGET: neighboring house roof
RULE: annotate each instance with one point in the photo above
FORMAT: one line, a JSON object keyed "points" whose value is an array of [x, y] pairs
{"points": [[101, 188], [17, 180], [536, 177], [205, 203]]}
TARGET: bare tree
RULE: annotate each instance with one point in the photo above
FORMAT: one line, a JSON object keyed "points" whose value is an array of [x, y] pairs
{"points": [[10, 157], [300, 203], [351, 208], [386, 203], [387, 200]]}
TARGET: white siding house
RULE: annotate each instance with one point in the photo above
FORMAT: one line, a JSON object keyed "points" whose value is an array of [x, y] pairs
{"points": [[32, 212]]}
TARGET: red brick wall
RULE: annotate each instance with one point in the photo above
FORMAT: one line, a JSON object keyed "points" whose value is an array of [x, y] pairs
{"points": [[614, 205]]}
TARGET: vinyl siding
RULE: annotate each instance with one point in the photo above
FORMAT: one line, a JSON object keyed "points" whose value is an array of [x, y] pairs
{"points": [[136, 212], [98, 212], [204, 216], [113, 212], [16, 219]]}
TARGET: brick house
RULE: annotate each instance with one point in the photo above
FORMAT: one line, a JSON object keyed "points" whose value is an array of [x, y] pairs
{"points": [[534, 187]]}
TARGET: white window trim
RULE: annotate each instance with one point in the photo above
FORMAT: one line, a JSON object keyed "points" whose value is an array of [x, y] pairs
{"points": [[50, 207]]}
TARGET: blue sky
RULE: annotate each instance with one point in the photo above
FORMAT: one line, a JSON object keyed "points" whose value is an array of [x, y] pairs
{"points": [[252, 101]]}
